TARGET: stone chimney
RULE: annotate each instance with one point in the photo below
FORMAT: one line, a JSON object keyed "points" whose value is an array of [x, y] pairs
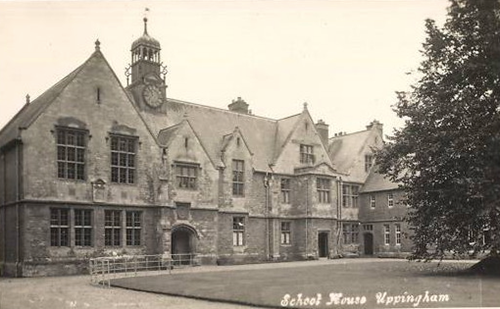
{"points": [[239, 106], [322, 129], [377, 125]]}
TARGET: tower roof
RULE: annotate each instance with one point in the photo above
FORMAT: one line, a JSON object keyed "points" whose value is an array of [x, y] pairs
{"points": [[145, 39]]}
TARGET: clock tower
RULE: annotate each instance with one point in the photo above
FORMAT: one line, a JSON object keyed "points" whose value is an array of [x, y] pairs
{"points": [[146, 74]]}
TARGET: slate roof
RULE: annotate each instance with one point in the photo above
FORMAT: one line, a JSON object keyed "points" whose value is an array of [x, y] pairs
{"points": [[212, 124], [265, 137], [284, 128], [377, 182], [345, 149], [32, 110], [168, 134]]}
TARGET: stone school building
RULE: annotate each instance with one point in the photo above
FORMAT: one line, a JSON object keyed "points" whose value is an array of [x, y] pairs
{"points": [[92, 168]]}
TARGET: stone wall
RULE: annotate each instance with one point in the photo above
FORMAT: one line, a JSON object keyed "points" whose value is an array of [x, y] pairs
{"points": [[77, 107], [40, 258], [381, 215]]}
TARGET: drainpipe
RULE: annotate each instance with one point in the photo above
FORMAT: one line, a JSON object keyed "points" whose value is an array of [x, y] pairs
{"points": [[340, 201], [266, 186], [4, 209], [307, 216], [18, 224]]}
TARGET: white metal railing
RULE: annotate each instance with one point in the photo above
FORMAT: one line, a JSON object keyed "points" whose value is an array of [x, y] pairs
{"points": [[103, 269]]}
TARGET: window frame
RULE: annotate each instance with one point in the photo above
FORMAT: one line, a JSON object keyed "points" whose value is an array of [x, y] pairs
{"points": [[373, 201], [387, 234], [285, 232], [350, 196], [117, 166], [186, 182], [238, 181], [133, 231], [78, 148], [368, 162], [323, 188], [113, 228], [239, 231], [350, 233], [56, 228], [397, 233], [83, 229], [286, 188], [390, 200], [306, 154]]}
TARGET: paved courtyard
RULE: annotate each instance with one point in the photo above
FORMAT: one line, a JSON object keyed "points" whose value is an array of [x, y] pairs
{"points": [[76, 292], [265, 285]]}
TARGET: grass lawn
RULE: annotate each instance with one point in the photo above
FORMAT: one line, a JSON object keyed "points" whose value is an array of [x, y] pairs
{"points": [[399, 284]]}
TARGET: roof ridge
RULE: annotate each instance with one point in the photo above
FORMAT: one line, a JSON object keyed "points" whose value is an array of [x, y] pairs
{"points": [[347, 134], [281, 119], [67, 80], [221, 109]]}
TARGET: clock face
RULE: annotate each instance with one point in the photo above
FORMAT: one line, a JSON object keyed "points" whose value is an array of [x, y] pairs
{"points": [[152, 96]]}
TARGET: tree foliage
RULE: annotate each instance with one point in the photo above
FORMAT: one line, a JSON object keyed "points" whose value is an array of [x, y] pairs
{"points": [[447, 155]]}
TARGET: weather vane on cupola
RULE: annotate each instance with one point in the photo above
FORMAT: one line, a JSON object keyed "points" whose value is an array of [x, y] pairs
{"points": [[145, 49]]}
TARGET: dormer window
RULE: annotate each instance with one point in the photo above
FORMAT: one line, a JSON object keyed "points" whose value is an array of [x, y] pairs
{"points": [[306, 154]]}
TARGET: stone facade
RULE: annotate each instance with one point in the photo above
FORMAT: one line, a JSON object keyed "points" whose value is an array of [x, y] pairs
{"points": [[91, 168]]}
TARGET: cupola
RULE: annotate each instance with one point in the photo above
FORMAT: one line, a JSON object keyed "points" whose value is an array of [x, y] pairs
{"points": [[145, 56], [146, 40]]}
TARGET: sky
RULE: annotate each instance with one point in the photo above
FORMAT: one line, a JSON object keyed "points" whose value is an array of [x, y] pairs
{"points": [[345, 58]]}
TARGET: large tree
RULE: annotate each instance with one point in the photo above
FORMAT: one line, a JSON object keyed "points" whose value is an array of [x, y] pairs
{"points": [[447, 155]]}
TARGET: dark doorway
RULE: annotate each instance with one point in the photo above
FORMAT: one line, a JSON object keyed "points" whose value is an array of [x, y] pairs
{"points": [[323, 244], [183, 244], [368, 242]]}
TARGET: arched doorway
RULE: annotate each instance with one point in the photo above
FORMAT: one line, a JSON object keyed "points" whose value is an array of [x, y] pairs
{"points": [[368, 243], [183, 244]]}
